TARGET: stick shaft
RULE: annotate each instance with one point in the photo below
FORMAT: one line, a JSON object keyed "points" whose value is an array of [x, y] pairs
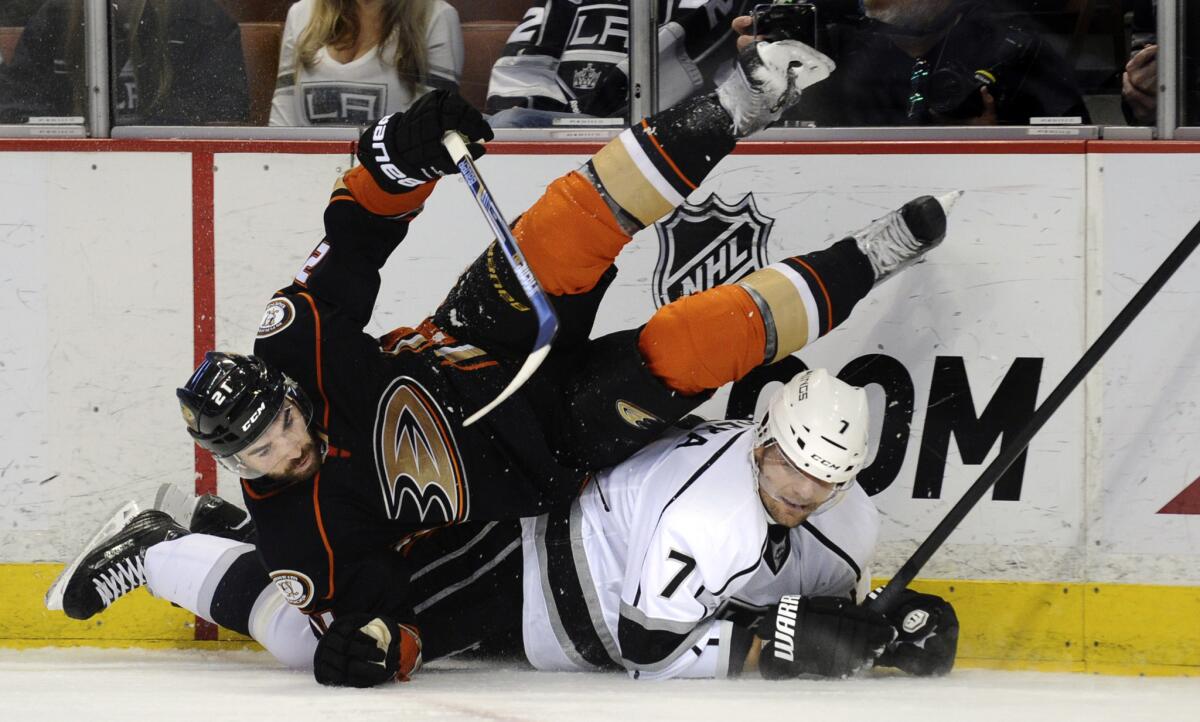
{"points": [[910, 569], [547, 319]]}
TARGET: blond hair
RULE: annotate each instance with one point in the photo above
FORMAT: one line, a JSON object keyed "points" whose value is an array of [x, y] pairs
{"points": [[336, 23]]}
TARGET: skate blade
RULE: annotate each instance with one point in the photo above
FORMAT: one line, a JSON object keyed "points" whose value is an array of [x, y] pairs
{"points": [[948, 200], [178, 504], [119, 518]]}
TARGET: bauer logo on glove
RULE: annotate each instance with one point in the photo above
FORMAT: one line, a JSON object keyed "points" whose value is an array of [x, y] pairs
{"points": [[403, 151]]}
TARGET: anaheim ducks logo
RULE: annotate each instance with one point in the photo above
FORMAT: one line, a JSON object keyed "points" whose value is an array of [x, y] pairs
{"points": [[635, 416], [416, 457]]}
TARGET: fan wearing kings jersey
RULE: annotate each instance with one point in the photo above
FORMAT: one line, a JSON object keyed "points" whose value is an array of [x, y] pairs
{"points": [[572, 56], [352, 448]]}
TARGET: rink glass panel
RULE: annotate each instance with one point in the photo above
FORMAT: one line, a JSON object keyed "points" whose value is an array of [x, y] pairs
{"points": [[43, 84]]}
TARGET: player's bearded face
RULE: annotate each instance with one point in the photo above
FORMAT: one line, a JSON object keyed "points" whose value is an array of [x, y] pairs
{"points": [[286, 451], [789, 494]]}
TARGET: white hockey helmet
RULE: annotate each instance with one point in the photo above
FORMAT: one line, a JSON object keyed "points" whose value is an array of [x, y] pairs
{"points": [[820, 424]]}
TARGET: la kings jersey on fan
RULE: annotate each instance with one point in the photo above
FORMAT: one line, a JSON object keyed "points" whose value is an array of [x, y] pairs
{"points": [[654, 563], [572, 55]]}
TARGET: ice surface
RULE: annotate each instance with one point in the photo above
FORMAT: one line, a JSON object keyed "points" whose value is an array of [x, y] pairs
{"points": [[102, 684]]}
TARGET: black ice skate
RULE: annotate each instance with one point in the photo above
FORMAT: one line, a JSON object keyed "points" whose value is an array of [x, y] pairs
{"points": [[112, 567], [205, 514], [906, 234], [767, 80]]}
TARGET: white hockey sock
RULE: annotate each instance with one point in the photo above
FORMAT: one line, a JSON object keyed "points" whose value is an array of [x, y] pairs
{"points": [[186, 570], [283, 629]]}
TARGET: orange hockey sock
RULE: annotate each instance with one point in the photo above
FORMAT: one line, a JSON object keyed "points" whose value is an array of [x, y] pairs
{"points": [[704, 341], [569, 236]]}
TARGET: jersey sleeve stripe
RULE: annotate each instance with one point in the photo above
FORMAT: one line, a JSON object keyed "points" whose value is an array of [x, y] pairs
{"points": [[833, 548], [651, 645], [826, 318], [670, 163], [629, 179], [699, 472]]}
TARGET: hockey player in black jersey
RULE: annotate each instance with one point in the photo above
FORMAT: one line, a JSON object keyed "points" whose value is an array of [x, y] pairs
{"points": [[352, 447]]}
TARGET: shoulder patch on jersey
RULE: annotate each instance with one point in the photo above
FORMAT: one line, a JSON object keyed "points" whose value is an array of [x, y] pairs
{"points": [[296, 587], [278, 315]]}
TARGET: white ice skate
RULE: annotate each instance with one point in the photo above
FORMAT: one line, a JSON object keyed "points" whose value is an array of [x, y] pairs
{"points": [[111, 566], [120, 516], [767, 80], [904, 236]]}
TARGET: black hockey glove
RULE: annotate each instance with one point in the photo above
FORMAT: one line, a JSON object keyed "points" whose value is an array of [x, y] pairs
{"points": [[927, 642], [826, 636], [359, 650], [404, 150]]}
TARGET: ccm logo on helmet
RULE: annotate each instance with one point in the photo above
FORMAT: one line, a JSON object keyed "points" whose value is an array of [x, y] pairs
{"points": [[254, 417], [824, 462], [385, 161]]}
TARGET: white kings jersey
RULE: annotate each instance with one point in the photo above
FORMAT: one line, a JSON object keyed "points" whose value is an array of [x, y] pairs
{"points": [[572, 55], [652, 563], [365, 89]]}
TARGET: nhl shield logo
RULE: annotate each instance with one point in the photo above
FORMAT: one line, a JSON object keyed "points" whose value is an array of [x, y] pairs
{"points": [[706, 245]]}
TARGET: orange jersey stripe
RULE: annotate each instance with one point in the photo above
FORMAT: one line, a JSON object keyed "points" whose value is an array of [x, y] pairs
{"points": [[321, 529], [320, 380], [824, 291], [666, 157]]}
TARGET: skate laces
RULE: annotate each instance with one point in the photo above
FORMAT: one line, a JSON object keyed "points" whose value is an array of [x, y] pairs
{"points": [[888, 243], [124, 576]]}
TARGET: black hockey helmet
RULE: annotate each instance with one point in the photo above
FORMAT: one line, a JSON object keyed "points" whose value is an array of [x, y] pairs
{"points": [[231, 399]]}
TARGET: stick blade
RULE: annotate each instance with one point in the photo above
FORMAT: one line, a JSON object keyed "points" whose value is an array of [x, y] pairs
{"points": [[532, 361]]}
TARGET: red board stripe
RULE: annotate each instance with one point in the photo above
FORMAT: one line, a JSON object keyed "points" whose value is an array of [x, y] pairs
{"points": [[204, 330], [562, 147]]}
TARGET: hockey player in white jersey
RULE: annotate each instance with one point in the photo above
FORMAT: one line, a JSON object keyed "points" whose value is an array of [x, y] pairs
{"points": [[666, 563]]}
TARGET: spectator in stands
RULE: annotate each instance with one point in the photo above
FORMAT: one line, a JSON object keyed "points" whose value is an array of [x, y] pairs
{"points": [[349, 62], [940, 62], [570, 58], [1139, 82], [176, 62]]}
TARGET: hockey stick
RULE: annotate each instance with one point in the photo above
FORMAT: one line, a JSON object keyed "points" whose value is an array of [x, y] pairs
{"points": [[547, 320], [885, 599]]}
